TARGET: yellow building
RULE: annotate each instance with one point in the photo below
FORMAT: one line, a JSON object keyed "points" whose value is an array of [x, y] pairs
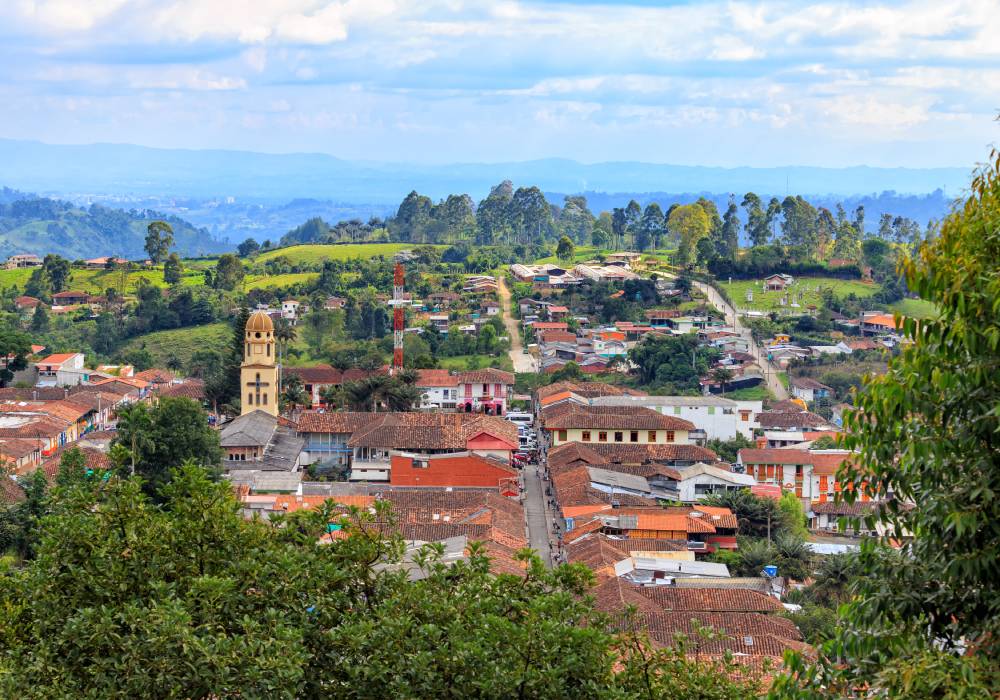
{"points": [[259, 372], [615, 424]]}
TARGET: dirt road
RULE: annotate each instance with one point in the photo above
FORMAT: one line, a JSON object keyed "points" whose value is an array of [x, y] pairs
{"points": [[523, 362], [770, 371]]}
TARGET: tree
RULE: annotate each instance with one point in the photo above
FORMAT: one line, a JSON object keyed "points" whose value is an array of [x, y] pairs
{"points": [[758, 227], [633, 218], [619, 226], [247, 248], [38, 285], [318, 329], [531, 215], [15, 346], [223, 388], [159, 239], [284, 333], [576, 220], [690, 223], [729, 243], [722, 376], [292, 391], [188, 599], [926, 432], [675, 362], [728, 450], [493, 216], [173, 432], [565, 249], [603, 230], [57, 270], [652, 227], [172, 269], [228, 272], [40, 319]]}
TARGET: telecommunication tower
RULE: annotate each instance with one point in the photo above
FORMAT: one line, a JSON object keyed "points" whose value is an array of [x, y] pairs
{"points": [[398, 318]]}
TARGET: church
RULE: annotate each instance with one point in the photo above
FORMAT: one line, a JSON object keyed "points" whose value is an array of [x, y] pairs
{"points": [[259, 371]]}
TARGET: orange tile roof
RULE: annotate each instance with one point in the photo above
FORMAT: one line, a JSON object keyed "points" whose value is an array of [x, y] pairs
{"points": [[292, 503], [58, 358]]}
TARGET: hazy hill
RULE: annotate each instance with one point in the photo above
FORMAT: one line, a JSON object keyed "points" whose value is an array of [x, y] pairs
{"points": [[30, 224], [141, 171]]}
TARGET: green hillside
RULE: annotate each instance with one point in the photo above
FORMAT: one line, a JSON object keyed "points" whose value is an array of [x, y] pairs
{"points": [[98, 281], [307, 253], [41, 226], [181, 343]]}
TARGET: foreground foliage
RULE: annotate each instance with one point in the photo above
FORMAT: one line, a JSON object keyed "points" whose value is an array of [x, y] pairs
{"points": [[129, 598], [926, 622]]}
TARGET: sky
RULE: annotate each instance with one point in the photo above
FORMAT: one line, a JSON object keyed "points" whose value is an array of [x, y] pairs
{"points": [[913, 84]]}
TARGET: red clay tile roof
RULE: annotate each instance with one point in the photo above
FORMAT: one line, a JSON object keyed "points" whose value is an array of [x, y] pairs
{"points": [[155, 376], [190, 389], [626, 453], [787, 406], [335, 422], [825, 462], [319, 374], [584, 389], [402, 431], [44, 428], [95, 459], [570, 452], [486, 376], [436, 377], [615, 595], [783, 421], [614, 418], [807, 383], [16, 448], [597, 552], [710, 600]]}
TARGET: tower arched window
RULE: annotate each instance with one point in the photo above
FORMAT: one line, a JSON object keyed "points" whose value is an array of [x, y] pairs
{"points": [[250, 399], [265, 399]]}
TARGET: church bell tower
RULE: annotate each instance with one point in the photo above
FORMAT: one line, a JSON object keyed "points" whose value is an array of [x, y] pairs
{"points": [[259, 372]]}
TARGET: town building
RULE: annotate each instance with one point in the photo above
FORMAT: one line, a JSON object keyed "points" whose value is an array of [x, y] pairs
{"points": [[62, 369], [23, 260], [572, 422], [440, 390], [808, 389], [460, 469], [260, 441], [719, 418], [809, 474], [259, 372], [484, 391]]}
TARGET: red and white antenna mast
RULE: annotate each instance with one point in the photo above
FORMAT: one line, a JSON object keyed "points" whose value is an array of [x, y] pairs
{"points": [[397, 318]]}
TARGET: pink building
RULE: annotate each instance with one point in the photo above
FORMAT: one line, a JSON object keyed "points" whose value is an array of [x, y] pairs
{"points": [[484, 391]]}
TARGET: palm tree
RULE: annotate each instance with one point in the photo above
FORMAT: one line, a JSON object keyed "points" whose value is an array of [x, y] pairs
{"points": [[408, 376], [174, 363], [755, 555], [333, 396], [722, 375], [794, 556], [399, 396]]}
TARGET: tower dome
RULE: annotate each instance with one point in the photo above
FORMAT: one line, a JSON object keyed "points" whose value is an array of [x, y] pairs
{"points": [[260, 322]]}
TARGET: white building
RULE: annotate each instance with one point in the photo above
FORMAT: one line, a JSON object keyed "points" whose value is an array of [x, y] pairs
{"points": [[720, 418], [290, 309], [65, 369], [440, 390]]}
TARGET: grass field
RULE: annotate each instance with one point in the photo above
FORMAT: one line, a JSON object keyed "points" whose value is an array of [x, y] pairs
{"points": [[915, 308], [97, 281], [278, 281], [805, 291], [464, 362], [182, 342], [750, 393], [319, 253]]}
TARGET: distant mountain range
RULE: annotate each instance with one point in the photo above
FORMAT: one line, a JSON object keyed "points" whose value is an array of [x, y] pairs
{"points": [[138, 171], [40, 225]]}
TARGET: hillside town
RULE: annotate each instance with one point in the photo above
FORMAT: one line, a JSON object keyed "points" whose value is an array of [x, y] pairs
{"points": [[584, 455]]}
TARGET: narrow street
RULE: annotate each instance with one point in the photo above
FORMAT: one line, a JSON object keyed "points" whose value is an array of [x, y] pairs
{"points": [[522, 361], [774, 384], [535, 513]]}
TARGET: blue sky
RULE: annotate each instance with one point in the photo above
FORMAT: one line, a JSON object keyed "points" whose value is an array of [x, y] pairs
{"points": [[714, 83]]}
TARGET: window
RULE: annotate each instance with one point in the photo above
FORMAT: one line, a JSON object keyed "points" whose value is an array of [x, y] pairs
{"points": [[248, 349], [602, 436], [619, 436], [652, 436], [420, 464], [633, 436], [250, 399], [265, 399], [745, 416], [670, 436], [586, 436], [562, 436], [711, 410], [677, 410], [268, 349]]}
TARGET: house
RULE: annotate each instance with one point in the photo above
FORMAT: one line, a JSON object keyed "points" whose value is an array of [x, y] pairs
{"points": [[103, 262], [777, 282], [876, 323], [440, 322], [460, 469], [364, 442], [484, 391], [596, 272], [26, 304], [626, 257], [334, 303], [808, 389], [810, 474], [705, 529], [571, 422], [18, 456], [718, 417], [792, 420], [70, 298], [260, 441], [62, 369], [23, 260], [315, 379], [290, 309], [440, 389]]}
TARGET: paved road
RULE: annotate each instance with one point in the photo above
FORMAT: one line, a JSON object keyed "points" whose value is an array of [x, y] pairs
{"points": [[770, 371], [523, 362], [539, 534]]}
